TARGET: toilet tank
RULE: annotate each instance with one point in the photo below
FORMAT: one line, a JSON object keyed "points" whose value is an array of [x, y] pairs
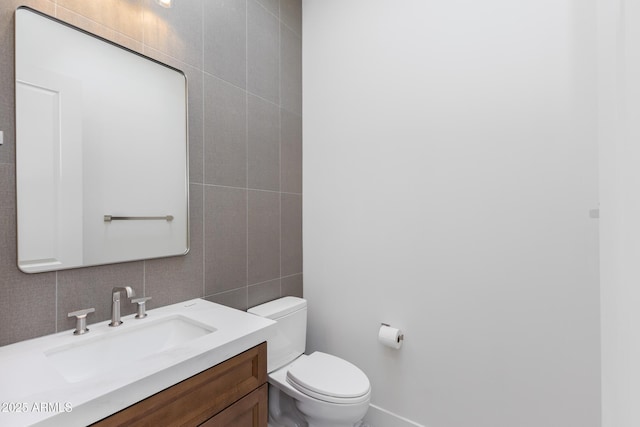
{"points": [[290, 338]]}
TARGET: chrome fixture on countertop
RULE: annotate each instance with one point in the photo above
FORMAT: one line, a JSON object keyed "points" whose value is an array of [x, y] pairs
{"points": [[115, 305], [81, 320], [142, 306]]}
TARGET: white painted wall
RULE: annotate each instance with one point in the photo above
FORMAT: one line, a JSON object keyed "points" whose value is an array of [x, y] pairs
{"points": [[450, 162], [619, 133]]}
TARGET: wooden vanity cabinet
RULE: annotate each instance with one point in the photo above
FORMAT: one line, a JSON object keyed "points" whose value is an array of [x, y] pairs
{"points": [[231, 394]]}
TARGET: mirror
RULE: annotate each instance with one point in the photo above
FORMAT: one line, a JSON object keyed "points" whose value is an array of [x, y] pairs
{"points": [[101, 150]]}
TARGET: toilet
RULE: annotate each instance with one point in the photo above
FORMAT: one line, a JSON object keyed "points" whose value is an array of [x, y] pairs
{"points": [[315, 390]]}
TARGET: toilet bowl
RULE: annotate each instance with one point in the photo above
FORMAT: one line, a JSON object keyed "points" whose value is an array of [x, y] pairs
{"points": [[316, 390]]}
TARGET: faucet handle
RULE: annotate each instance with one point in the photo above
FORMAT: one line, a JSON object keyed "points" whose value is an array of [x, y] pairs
{"points": [[142, 308], [81, 320]]}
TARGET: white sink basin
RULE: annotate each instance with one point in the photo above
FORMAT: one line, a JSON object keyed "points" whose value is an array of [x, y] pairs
{"points": [[98, 355], [80, 379]]}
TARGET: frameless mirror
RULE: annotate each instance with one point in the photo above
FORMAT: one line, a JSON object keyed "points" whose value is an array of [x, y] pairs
{"points": [[101, 150]]}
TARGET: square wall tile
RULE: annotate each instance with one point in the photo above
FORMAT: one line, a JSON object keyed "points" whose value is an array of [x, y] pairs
{"points": [[176, 31], [290, 152], [263, 144], [28, 307], [272, 6], [7, 113], [225, 133], [28, 304], [236, 298], [98, 29], [8, 226], [263, 236], [225, 40], [180, 278], [263, 292], [92, 287], [225, 229], [263, 53], [292, 286], [290, 71], [291, 248], [291, 15], [196, 124], [123, 16]]}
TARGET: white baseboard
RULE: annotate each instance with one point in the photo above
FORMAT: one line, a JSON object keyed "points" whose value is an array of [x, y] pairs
{"points": [[378, 417]]}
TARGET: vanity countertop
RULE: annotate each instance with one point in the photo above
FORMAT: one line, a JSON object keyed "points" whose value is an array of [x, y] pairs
{"points": [[34, 391]]}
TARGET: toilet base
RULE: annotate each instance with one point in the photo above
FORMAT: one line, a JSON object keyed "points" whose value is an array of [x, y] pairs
{"points": [[286, 411], [283, 411], [316, 416]]}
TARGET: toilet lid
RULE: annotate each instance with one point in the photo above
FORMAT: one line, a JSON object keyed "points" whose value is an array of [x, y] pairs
{"points": [[328, 378]]}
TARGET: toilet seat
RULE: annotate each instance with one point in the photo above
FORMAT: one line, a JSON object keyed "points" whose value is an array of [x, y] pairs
{"points": [[328, 378]]}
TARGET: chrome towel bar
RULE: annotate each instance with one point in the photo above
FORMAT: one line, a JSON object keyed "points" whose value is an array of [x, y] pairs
{"points": [[109, 218]]}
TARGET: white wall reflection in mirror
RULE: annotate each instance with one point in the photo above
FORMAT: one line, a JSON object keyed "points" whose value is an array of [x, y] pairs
{"points": [[100, 130]]}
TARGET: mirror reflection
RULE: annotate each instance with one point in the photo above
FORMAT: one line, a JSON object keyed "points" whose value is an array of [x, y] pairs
{"points": [[101, 150]]}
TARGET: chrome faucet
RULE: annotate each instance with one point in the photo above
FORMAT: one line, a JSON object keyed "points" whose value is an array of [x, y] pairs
{"points": [[115, 305]]}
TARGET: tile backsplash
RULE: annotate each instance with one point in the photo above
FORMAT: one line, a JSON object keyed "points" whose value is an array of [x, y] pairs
{"points": [[243, 63]]}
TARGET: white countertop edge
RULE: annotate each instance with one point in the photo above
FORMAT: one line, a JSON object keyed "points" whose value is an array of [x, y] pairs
{"points": [[105, 401]]}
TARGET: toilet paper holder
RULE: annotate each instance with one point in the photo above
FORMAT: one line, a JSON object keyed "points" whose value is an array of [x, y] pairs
{"points": [[400, 337]]}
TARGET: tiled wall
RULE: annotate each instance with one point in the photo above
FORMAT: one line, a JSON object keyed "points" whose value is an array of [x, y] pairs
{"points": [[242, 59]]}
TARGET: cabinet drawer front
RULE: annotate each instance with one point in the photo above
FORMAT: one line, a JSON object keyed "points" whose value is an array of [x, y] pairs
{"points": [[196, 399], [250, 411]]}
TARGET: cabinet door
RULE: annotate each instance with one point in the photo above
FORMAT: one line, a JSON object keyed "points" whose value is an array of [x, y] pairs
{"points": [[250, 411], [200, 397]]}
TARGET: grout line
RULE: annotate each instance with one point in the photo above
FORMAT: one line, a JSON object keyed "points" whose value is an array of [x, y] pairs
{"points": [[263, 99], [204, 245], [291, 112], [298, 114], [243, 89], [100, 24], [295, 33], [263, 282], [222, 80], [280, 142], [56, 304], [148, 50], [144, 29], [144, 278], [228, 292], [248, 188], [246, 83], [204, 164], [268, 11], [287, 25]]}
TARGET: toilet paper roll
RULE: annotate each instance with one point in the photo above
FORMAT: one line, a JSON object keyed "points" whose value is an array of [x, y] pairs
{"points": [[391, 337]]}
